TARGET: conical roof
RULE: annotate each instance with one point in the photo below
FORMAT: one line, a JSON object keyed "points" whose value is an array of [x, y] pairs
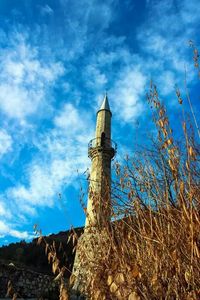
{"points": [[105, 104]]}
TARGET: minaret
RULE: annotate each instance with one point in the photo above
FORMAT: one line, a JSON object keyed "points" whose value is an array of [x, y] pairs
{"points": [[101, 150]]}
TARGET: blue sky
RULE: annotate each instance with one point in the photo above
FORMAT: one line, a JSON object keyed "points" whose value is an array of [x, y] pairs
{"points": [[57, 58]]}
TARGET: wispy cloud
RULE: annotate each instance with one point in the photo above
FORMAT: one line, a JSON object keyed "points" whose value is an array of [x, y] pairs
{"points": [[6, 230], [96, 79], [4, 210], [5, 142], [127, 94], [64, 151], [46, 10], [25, 78], [167, 30]]}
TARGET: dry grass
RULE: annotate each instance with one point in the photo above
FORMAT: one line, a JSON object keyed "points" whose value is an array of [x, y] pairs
{"points": [[54, 261], [152, 249]]}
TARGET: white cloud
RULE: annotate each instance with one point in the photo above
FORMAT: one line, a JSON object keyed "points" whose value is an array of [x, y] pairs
{"points": [[5, 142], [6, 230], [163, 39], [89, 14], [83, 26], [72, 120], [3, 228], [4, 210], [95, 78], [65, 151], [45, 181], [167, 80], [18, 234], [25, 79], [69, 118], [167, 30], [127, 93]]}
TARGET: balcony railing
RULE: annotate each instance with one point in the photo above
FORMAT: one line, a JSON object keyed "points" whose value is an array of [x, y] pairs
{"points": [[104, 143]]}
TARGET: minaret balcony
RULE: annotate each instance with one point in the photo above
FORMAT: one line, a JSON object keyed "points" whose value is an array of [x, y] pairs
{"points": [[105, 145]]}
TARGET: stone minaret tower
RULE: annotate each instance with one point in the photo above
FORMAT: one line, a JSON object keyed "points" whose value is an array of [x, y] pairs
{"points": [[101, 150]]}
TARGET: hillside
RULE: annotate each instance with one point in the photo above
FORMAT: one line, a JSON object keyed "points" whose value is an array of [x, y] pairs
{"points": [[32, 256]]}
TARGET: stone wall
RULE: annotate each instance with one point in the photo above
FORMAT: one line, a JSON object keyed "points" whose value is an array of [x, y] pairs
{"points": [[27, 284]]}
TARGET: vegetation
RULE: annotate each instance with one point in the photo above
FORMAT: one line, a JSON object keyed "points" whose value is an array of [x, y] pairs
{"points": [[32, 256], [152, 250]]}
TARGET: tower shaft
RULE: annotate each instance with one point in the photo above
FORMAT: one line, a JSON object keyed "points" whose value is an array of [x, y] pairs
{"points": [[101, 152]]}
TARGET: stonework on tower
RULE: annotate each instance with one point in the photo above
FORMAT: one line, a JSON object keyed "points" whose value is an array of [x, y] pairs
{"points": [[101, 151]]}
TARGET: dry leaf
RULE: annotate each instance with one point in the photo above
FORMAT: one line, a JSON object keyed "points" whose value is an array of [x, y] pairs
{"points": [[133, 296], [109, 280], [154, 279], [187, 277], [196, 250], [135, 272], [119, 279], [113, 287], [191, 152], [40, 239]]}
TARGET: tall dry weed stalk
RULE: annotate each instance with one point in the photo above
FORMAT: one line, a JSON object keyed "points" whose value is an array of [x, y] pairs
{"points": [[151, 250], [54, 260], [11, 294]]}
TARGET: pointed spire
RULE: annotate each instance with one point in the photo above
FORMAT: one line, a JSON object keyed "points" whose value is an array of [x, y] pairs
{"points": [[105, 105]]}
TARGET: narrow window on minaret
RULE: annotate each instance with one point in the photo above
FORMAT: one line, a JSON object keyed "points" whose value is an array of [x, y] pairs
{"points": [[103, 138]]}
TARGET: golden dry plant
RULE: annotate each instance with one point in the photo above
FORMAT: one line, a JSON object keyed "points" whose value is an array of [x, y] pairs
{"points": [[151, 249], [11, 294], [53, 259]]}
